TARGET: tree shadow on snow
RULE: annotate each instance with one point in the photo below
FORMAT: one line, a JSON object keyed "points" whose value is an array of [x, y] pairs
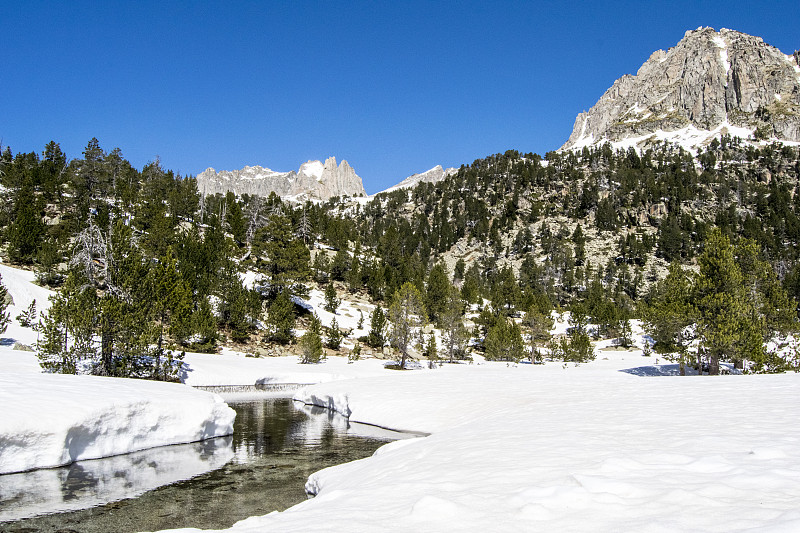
{"points": [[656, 370]]}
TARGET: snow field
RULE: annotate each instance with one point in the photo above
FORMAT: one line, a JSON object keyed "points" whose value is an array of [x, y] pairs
{"points": [[21, 287], [233, 368], [346, 316], [549, 448], [554, 447]]}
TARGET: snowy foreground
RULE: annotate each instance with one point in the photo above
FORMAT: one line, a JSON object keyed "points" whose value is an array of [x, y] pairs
{"points": [[554, 448], [605, 446], [51, 420]]}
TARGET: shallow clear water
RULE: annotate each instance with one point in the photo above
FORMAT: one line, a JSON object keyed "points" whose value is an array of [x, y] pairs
{"points": [[262, 468]]}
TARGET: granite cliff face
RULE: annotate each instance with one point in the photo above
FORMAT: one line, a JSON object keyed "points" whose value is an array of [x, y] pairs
{"points": [[710, 83], [314, 180]]}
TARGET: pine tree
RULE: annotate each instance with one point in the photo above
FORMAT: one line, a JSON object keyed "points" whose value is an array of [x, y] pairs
{"points": [[472, 286], [51, 346], [454, 334], [505, 291], [625, 334], [311, 342], [4, 316], [170, 305], [406, 314], [340, 264], [437, 289], [504, 341], [354, 276], [332, 302], [282, 256], [27, 318], [721, 302], [204, 325], [48, 258], [606, 217], [669, 313], [578, 319], [68, 342], [580, 245], [234, 217], [321, 267], [539, 325], [458, 273], [771, 312], [763, 288], [27, 228], [355, 354], [430, 351], [334, 340], [576, 346], [280, 319], [234, 307], [377, 330]]}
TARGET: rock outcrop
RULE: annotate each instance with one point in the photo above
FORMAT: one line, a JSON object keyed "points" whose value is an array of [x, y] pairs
{"points": [[708, 84], [314, 180]]}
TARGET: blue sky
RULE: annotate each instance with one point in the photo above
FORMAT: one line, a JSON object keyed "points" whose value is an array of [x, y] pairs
{"points": [[393, 87]]}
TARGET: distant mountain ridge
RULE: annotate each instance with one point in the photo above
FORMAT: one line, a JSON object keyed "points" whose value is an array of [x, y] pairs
{"points": [[434, 175], [313, 180], [709, 84]]}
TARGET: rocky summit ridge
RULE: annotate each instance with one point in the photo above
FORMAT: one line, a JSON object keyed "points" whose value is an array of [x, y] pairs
{"points": [[313, 180], [709, 84], [434, 175]]}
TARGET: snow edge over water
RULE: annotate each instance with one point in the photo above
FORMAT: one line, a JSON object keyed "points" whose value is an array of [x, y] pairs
{"points": [[53, 420]]}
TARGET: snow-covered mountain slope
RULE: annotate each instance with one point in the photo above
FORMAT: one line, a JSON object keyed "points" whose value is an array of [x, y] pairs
{"points": [[709, 84], [434, 175], [314, 180]]}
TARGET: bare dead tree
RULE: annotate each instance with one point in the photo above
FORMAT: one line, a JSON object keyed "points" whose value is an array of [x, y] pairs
{"points": [[90, 254], [304, 227], [254, 217]]}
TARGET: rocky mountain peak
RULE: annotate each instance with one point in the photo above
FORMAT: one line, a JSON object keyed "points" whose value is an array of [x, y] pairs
{"points": [[313, 180], [709, 84]]}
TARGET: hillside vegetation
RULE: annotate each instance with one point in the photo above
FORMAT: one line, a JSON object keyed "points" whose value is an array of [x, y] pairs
{"points": [[145, 267]]}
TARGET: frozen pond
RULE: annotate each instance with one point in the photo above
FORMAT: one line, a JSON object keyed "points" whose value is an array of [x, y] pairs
{"points": [[263, 467]]}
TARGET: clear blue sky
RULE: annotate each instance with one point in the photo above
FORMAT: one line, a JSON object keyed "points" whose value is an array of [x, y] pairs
{"points": [[393, 87]]}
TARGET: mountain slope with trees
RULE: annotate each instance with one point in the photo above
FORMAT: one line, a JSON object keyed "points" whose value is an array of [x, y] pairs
{"points": [[147, 268]]}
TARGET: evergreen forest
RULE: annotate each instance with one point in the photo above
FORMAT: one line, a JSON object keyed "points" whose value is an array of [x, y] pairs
{"points": [[702, 249]]}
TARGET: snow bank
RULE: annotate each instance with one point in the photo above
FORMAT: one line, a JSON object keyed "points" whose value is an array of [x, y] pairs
{"points": [[97, 482], [561, 448], [51, 420]]}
